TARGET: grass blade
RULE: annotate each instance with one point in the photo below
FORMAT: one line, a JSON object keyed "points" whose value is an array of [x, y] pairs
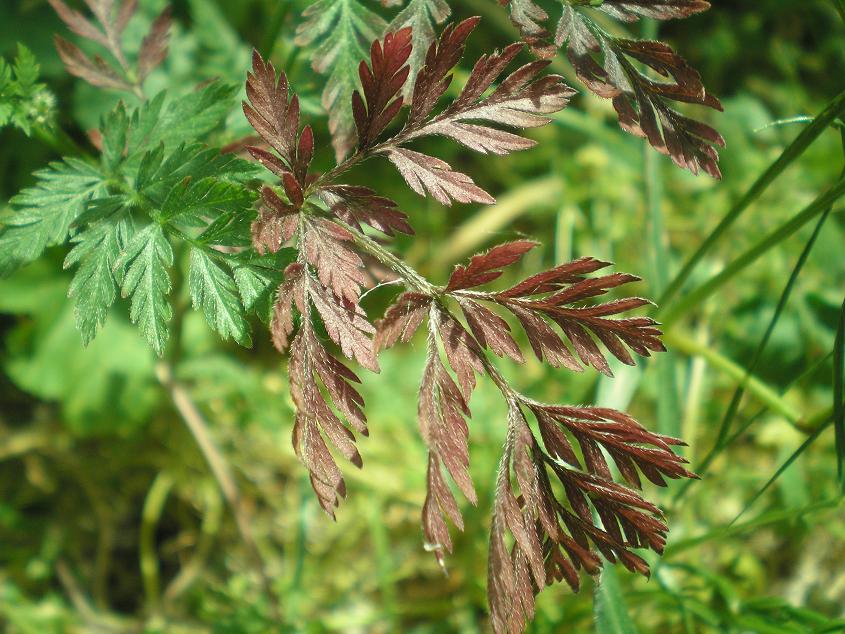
{"points": [[696, 297], [835, 109], [733, 408], [788, 463], [668, 408], [610, 610], [838, 388]]}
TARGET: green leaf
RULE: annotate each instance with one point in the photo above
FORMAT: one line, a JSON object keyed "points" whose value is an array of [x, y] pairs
{"points": [[159, 171], [113, 129], [420, 15], [146, 259], [46, 211], [258, 278], [610, 610], [343, 31], [93, 286], [207, 198], [23, 101], [214, 291], [26, 69], [180, 120]]}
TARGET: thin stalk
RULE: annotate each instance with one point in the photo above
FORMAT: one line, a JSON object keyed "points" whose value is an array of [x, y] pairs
{"points": [[807, 136], [61, 142], [196, 424], [727, 420], [410, 276], [805, 427], [668, 408], [150, 517], [210, 526], [752, 384], [696, 297]]}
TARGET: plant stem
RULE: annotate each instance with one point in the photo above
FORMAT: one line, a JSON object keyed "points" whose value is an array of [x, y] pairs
{"points": [[150, 516], [209, 528], [407, 273], [199, 429], [750, 383]]}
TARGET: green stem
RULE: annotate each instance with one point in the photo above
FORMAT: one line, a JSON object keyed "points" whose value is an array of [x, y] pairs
{"points": [[150, 517], [274, 28], [61, 142], [696, 297], [385, 257], [209, 528], [750, 383]]}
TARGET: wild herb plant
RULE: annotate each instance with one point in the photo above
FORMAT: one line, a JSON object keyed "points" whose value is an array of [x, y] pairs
{"points": [[297, 248], [158, 191]]}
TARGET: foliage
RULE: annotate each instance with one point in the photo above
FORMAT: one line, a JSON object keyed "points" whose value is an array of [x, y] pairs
{"points": [[149, 482], [24, 102]]}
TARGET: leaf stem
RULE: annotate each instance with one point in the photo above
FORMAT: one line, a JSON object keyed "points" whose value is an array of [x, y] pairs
{"points": [[407, 273], [150, 517]]}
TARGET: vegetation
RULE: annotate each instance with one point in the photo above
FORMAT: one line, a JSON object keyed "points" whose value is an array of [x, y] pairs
{"points": [[160, 246]]}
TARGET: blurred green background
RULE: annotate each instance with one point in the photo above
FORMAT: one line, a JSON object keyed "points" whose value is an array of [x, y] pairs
{"points": [[110, 520]]}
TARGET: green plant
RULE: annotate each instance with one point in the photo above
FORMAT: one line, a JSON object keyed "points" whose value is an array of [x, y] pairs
{"points": [[155, 212]]}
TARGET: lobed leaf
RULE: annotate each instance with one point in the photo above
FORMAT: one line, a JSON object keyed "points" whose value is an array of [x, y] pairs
{"points": [[94, 287], [214, 291], [420, 16], [143, 264], [343, 31], [46, 211], [610, 67]]}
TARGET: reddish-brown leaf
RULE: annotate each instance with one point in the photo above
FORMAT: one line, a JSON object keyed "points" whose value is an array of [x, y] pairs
{"points": [[276, 222], [434, 79], [486, 267], [490, 330], [327, 248], [357, 205], [96, 72], [401, 320], [382, 81], [154, 47], [442, 414], [462, 351], [314, 417], [289, 293], [275, 116], [607, 66], [77, 23], [426, 173], [346, 324]]}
